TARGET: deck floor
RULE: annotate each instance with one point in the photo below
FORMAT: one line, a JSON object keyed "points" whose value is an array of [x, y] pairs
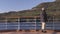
{"points": [[31, 32]]}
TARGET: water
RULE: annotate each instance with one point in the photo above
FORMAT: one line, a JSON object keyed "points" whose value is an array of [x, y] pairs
{"points": [[30, 26]]}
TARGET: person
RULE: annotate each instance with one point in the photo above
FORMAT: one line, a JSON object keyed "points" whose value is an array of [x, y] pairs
{"points": [[43, 17]]}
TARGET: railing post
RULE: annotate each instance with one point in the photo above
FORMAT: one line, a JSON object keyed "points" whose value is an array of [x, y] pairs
{"points": [[35, 23], [18, 24], [6, 23], [53, 23]]}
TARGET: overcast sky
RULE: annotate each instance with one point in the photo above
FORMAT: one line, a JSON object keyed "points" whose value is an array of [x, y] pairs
{"points": [[18, 5]]}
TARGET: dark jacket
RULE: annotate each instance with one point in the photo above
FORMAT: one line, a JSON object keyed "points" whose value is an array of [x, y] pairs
{"points": [[43, 16]]}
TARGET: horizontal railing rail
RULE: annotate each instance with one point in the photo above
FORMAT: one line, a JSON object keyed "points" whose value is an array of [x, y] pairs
{"points": [[29, 24]]}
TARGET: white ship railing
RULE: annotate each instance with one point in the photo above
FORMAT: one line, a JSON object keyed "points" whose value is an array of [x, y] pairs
{"points": [[33, 23]]}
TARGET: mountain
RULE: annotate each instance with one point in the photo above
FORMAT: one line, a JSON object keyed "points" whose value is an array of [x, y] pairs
{"points": [[53, 9], [57, 0]]}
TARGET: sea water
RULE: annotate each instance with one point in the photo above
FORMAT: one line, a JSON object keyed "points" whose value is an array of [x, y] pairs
{"points": [[28, 25]]}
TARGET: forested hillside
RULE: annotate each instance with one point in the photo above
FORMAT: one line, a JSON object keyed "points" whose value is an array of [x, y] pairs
{"points": [[53, 9]]}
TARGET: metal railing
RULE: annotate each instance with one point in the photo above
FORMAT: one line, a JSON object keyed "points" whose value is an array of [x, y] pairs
{"points": [[29, 25]]}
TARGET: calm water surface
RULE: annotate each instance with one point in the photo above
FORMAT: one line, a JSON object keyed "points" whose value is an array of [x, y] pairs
{"points": [[22, 25]]}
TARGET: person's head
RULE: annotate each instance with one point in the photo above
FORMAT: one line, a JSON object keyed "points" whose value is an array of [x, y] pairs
{"points": [[43, 8]]}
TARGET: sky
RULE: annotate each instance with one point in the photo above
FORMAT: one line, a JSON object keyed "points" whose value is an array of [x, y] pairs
{"points": [[18, 5]]}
